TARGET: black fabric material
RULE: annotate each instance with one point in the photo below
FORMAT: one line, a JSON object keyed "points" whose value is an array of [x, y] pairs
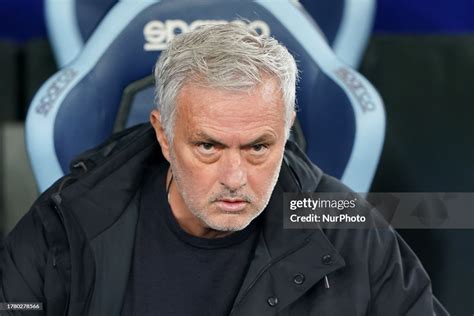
{"points": [[171, 267], [60, 252]]}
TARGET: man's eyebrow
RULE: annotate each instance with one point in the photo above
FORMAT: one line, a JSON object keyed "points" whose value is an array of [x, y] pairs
{"points": [[265, 138], [203, 137]]}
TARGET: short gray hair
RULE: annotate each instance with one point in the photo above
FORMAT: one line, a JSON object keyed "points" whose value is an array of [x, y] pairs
{"points": [[228, 56]]}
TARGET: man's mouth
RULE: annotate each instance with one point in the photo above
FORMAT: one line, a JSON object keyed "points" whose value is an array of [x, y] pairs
{"points": [[231, 205]]}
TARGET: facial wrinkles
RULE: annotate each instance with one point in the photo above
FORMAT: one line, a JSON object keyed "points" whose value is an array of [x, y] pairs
{"points": [[232, 127], [200, 210], [221, 193], [239, 123], [243, 108], [235, 120]]}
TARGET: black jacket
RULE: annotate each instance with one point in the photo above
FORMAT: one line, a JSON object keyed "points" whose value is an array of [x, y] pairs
{"points": [[73, 249]]}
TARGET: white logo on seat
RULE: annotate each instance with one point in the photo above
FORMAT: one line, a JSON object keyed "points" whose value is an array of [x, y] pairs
{"points": [[358, 89], [158, 33], [54, 90]]}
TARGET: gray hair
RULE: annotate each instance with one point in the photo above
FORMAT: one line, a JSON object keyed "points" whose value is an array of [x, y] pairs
{"points": [[227, 56]]}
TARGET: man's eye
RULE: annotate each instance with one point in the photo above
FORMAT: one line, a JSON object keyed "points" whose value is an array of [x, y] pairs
{"points": [[259, 149], [206, 148]]}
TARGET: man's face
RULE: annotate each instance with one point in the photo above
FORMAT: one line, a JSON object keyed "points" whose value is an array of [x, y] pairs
{"points": [[226, 153]]}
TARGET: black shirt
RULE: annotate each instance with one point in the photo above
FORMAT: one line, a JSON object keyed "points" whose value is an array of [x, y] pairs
{"points": [[175, 273]]}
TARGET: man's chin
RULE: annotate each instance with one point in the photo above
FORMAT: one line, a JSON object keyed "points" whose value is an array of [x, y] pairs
{"points": [[230, 222]]}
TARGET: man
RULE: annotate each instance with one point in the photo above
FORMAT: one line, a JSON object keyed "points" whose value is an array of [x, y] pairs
{"points": [[184, 217]]}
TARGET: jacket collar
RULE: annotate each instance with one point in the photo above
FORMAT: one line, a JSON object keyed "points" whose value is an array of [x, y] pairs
{"points": [[95, 202], [112, 176], [285, 254]]}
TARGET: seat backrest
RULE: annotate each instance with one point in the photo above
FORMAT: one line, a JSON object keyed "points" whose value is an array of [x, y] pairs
{"points": [[346, 24], [70, 23], [108, 86]]}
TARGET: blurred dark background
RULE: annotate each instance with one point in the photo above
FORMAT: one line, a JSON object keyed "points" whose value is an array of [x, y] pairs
{"points": [[420, 58]]}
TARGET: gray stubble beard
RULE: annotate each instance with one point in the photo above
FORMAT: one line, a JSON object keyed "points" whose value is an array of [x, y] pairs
{"points": [[201, 215]]}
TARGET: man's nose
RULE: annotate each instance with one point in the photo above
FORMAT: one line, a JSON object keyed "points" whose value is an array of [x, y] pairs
{"points": [[234, 175]]}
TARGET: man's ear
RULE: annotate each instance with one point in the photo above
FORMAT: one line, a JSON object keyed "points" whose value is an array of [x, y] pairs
{"points": [[155, 120]]}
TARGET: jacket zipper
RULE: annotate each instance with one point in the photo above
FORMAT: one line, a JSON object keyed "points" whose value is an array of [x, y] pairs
{"points": [[57, 207]]}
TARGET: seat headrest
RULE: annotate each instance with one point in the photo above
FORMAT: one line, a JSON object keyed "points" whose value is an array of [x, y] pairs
{"points": [[346, 24]]}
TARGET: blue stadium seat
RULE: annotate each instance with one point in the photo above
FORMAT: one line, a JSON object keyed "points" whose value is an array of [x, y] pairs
{"points": [[108, 87], [346, 24], [70, 23]]}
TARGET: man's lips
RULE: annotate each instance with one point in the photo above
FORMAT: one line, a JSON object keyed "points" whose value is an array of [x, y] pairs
{"points": [[231, 205]]}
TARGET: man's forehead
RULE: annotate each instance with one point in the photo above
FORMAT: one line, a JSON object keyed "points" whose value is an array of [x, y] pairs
{"points": [[236, 113], [268, 90], [219, 116], [196, 101]]}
